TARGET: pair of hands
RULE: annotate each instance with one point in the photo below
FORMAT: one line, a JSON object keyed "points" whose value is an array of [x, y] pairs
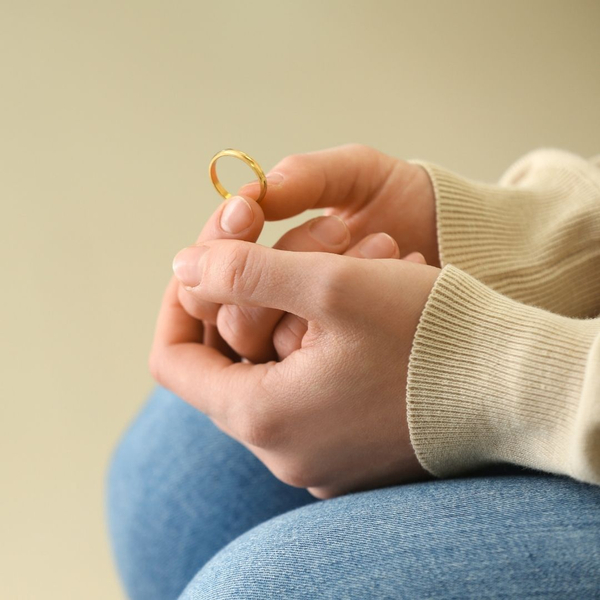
{"points": [[320, 395]]}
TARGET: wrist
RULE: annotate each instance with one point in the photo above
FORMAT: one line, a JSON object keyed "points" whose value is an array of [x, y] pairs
{"points": [[426, 219]]}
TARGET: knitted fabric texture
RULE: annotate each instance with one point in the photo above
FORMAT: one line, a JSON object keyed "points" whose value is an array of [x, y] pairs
{"points": [[505, 365]]}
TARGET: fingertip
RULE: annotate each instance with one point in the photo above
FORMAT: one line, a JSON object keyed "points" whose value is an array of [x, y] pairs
{"points": [[376, 245], [330, 231], [253, 189], [290, 189], [415, 257], [235, 218], [259, 218], [254, 205]]}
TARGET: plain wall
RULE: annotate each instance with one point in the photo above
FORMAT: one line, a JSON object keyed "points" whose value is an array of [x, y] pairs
{"points": [[109, 114]]}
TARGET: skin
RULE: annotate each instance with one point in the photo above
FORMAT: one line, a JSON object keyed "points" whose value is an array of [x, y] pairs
{"points": [[250, 331], [322, 401]]}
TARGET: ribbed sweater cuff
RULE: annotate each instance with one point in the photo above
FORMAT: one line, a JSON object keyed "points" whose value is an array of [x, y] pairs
{"points": [[491, 380], [538, 243]]}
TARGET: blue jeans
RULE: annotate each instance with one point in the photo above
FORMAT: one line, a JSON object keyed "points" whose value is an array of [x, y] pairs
{"points": [[194, 515]]}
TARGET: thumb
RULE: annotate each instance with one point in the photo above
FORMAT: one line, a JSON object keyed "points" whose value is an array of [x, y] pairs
{"points": [[247, 274], [345, 176]]}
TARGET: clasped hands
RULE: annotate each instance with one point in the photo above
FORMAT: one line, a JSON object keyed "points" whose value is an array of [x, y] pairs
{"points": [[300, 351]]}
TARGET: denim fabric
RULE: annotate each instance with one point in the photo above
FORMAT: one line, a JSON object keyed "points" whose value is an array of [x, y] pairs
{"points": [[179, 490], [191, 508]]}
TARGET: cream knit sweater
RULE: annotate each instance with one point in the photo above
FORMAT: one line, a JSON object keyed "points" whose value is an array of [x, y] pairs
{"points": [[505, 365]]}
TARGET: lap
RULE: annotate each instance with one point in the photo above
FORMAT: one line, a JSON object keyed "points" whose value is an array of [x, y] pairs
{"points": [[185, 500], [520, 535]]}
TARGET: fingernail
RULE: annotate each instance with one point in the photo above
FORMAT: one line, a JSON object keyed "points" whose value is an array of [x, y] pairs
{"points": [[187, 267], [380, 245], [236, 216], [329, 230], [274, 179]]}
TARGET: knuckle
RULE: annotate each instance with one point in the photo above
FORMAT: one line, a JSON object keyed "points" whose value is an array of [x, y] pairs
{"points": [[295, 473], [334, 290], [260, 430], [361, 148], [323, 493], [259, 422], [293, 162], [368, 154], [155, 365], [241, 270]]}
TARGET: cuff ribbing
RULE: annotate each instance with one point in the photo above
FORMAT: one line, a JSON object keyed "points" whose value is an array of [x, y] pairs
{"points": [[491, 380], [536, 241]]}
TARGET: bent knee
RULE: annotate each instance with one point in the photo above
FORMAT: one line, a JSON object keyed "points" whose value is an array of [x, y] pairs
{"points": [[148, 478]]}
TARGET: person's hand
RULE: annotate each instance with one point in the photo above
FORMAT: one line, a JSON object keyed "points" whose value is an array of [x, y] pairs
{"points": [[369, 190], [331, 416], [249, 331]]}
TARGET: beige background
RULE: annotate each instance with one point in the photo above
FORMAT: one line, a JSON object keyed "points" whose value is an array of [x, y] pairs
{"points": [[109, 114]]}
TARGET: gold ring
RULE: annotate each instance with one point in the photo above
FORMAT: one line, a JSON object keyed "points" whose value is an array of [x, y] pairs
{"points": [[212, 169]]}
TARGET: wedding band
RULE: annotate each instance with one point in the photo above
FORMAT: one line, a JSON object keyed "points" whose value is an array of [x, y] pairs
{"points": [[212, 169]]}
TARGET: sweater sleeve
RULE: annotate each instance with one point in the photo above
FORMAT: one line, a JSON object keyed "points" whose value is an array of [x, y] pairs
{"points": [[492, 380], [535, 236]]}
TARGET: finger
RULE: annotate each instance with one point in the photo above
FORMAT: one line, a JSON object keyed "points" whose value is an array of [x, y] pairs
{"points": [[288, 334], [322, 234], [382, 245], [249, 330], [213, 339], [236, 218], [376, 245], [234, 272], [175, 325], [345, 176], [312, 285], [200, 375], [416, 257]]}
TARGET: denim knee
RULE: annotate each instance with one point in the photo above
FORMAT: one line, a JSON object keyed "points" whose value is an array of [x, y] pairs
{"points": [[178, 491], [518, 536], [149, 484]]}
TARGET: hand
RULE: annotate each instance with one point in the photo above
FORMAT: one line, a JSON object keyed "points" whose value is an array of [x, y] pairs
{"points": [[369, 190], [331, 416], [249, 331]]}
